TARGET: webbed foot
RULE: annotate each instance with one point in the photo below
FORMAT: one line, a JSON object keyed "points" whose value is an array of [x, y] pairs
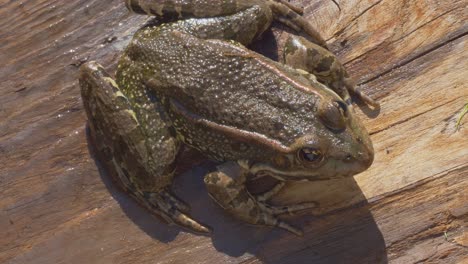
{"points": [[227, 187], [170, 208]]}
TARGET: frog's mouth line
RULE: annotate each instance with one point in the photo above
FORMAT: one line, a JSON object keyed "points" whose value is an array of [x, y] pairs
{"points": [[296, 176], [262, 170], [286, 177]]}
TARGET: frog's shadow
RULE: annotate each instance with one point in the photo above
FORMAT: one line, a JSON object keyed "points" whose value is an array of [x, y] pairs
{"points": [[236, 239]]}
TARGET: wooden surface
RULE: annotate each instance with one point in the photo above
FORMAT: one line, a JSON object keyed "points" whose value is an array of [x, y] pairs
{"points": [[411, 206]]}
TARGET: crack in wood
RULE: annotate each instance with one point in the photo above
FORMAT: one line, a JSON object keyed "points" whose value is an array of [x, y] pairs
{"points": [[425, 24], [339, 32], [399, 122], [417, 56], [412, 186]]}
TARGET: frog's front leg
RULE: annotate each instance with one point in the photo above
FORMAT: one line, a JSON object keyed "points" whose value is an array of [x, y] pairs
{"points": [[144, 170], [227, 187], [304, 55]]}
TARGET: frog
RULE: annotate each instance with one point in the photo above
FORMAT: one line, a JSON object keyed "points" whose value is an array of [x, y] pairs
{"points": [[192, 82]]}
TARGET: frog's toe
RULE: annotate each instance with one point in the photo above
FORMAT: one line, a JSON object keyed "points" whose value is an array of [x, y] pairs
{"points": [[185, 221], [364, 97], [173, 211], [268, 219], [352, 88], [175, 201], [291, 209], [290, 228]]}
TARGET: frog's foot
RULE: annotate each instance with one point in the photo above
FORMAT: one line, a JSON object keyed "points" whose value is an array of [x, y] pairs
{"points": [[162, 203], [227, 187], [290, 15], [170, 208], [352, 88]]}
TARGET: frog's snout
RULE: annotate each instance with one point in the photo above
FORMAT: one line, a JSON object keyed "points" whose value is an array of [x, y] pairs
{"points": [[366, 158], [361, 159]]}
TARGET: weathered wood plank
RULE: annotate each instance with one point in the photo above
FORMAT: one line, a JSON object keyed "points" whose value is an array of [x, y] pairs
{"points": [[410, 207], [416, 125]]}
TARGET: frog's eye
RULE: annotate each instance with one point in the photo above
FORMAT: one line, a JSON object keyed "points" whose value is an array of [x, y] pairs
{"points": [[334, 115], [310, 156]]}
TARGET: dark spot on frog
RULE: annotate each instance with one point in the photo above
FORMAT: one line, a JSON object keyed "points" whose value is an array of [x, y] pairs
{"points": [[278, 126], [311, 53], [325, 64], [214, 178]]}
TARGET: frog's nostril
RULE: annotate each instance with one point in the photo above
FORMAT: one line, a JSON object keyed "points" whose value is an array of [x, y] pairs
{"points": [[367, 158], [348, 158]]}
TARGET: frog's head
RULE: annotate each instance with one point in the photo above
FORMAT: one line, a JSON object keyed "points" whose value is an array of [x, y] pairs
{"points": [[339, 147]]}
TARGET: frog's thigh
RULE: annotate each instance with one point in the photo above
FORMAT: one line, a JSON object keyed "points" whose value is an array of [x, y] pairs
{"points": [[190, 8], [243, 26], [302, 54], [110, 114], [119, 134]]}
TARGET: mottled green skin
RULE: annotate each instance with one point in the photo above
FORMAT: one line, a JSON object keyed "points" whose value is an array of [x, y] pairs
{"points": [[192, 82]]}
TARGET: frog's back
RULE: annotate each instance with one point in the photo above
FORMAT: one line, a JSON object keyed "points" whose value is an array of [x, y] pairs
{"points": [[227, 84]]}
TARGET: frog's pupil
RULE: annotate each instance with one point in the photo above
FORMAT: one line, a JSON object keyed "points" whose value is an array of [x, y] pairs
{"points": [[311, 154]]}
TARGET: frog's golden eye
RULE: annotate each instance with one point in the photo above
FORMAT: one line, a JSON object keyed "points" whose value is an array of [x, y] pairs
{"points": [[334, 115], [311, 156]]}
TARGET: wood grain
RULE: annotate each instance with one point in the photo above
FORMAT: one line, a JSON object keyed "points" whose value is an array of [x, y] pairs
{"points": [[58, 206]]}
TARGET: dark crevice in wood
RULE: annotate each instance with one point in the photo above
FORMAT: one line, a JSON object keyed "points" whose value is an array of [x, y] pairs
{"points": [[406, 35], [412, 186], [423, 25], [339, 32], [411, 117], [337, 4], [417, 56], [360, 55]]}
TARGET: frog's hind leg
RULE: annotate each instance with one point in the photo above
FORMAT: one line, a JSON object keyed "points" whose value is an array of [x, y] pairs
{"points": [[227, 187], [292, 17], [119, 136], [325, 66]]}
